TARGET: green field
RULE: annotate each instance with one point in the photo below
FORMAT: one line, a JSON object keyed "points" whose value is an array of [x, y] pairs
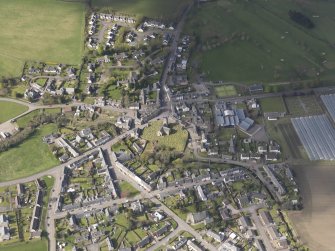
{"points": [[40, 30], [34, 245], [32, 156], [303, 106], [274, 104], [161, 9], [225, 91], [10, 110], [24, 120], [248, 41], [127, 190], [282, 131], [177, 140]]}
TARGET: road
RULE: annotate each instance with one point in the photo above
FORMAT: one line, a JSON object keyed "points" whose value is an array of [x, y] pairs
{"points": [[171, 58], [8, 126]]}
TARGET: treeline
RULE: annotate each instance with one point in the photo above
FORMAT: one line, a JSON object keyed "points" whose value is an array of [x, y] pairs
{"points": [[17, 138], [29, 130], [301, 19]]}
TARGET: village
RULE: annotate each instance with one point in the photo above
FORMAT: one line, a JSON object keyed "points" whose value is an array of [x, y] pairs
{"points": [[148, 158]]}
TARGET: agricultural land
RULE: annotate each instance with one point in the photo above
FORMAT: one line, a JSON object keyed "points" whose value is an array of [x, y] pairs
{"points": [[256, 41]]}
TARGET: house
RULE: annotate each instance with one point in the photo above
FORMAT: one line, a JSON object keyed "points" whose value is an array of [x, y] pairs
{"points": [[192, 246], [180, 243], [217, 237], [244, 222], [124, 122], [195, 218], [201, 194], [158, 216], [266, 218], [90, 67], [137, 148], [228, 246], [259, 245], [86, 134], [32, 94], [90, 78], [255, 156], [65, 157], [262, 149], [256, 88], [134, 106], [224, 213], [110, 245], [64, 144], [273, 233], [132, 77], [271, 157], [144, 242], [274, 115], [163, 131], [274, 148], [245, 156], [51, 70], [243, 201], [166, 39], [71, 72], [274, 180], [137, 207], [4, 233], [3, 220], [141, 28], [73, 220], [162, 230]]}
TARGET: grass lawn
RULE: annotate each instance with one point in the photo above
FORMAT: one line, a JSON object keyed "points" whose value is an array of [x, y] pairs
{"points": [[32, 156], [176, 140], [41, 81], [275, 104], [34, 245], [127, 190], [10, 110], [161, 9], [122, 220], [132, 237], [247, 41], [225, 91], [40, 30]]}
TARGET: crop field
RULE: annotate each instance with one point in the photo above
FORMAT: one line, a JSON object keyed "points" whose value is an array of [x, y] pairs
{"points": [[10, 110], [177, 140], [40, 30], [35, 156], [225, 91], [162, 9], [275, 104], [284, 133], [247, 41], [303, 106]]}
